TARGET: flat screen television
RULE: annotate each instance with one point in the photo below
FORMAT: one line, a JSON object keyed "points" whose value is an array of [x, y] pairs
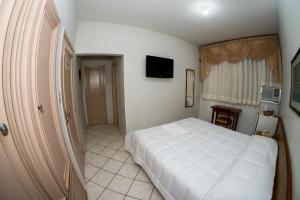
{"points": [[157, 67]]}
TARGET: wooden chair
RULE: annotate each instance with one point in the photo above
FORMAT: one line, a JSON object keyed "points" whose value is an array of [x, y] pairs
{"points": [[223, 118]]}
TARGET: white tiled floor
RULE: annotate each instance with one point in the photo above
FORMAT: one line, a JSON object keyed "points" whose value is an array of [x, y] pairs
{"points": [[111, 173]]}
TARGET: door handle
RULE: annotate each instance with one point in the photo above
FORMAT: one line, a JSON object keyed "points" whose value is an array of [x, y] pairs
{"points": [[40, 108], [67, 116], [3, 129]]}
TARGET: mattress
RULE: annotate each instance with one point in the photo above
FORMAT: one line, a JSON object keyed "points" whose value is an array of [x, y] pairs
{"points": [[192, 159]]}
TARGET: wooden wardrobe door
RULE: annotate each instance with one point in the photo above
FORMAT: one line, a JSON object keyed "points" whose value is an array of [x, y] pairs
{"points": [[77, 191], [13, 185], [95, 94], [67, 67], [45, 84], [29, 98]]}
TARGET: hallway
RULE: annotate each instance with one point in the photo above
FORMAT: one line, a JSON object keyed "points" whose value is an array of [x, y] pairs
{"points": [[110, 172]]}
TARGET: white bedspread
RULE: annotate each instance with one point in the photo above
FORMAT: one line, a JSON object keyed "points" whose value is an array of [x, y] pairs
{"points": [[205, 161]]}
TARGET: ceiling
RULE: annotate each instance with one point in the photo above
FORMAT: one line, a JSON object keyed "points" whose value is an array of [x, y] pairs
{"points": [[197, 21]]}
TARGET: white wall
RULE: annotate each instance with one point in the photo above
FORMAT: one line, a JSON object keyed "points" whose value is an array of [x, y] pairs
{"points": [[148, 101], [247, 118], [108, 83], [289, 15], [67, 13]]}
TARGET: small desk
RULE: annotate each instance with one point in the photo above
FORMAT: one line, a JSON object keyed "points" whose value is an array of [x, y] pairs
{"points": [[234, 114]]}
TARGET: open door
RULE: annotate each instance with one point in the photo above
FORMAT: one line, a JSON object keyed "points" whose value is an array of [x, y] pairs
{"points": [[67, 67]]}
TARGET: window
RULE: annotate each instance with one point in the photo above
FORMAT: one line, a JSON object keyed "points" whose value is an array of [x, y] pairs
{"points": [[238, 83]]}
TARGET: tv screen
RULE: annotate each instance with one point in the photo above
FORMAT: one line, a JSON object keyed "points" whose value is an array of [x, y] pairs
{"points": [[157, 67]]}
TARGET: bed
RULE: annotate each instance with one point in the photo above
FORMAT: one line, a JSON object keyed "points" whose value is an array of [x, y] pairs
{"points": [[192, 159]]}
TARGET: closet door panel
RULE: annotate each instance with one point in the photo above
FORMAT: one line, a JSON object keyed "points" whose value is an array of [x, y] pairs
{"points": [[68, 102], [77, 191], [44, 86], [28, 84]]}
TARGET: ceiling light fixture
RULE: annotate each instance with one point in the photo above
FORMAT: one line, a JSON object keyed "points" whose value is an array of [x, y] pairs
{"points": [[203, 8]]}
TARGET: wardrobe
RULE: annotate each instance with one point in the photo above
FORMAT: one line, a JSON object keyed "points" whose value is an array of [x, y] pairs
{"points": [[35, 162]]}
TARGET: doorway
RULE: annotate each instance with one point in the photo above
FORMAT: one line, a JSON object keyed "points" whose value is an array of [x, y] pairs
{"points": [[102, 80]]}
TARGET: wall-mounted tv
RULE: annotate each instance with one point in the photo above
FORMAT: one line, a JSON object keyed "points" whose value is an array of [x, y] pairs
{"points": [[157, 67]]}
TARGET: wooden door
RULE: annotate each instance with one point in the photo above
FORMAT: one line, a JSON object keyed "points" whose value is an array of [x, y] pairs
{"points": [[15, 180], [95, 95], [76, 192], [35, 145], [67, 67], [46, 102]]}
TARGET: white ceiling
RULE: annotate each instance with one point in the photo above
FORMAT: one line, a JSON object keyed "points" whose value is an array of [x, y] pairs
{"points": [[226, 19]]}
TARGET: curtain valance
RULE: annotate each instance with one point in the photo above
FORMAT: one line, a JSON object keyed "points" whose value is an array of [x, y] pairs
{"points": [[255, 48]]}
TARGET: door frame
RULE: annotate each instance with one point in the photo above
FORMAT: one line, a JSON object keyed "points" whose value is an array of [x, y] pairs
{"points": [[115, 92], [59, 101], [85, 91], [67, 47]]}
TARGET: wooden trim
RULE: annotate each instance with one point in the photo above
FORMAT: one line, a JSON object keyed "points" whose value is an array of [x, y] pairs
{"points": [[114, 92], [294, 58], [68, 49], [186, 85], [283, 179], [77, 191]]}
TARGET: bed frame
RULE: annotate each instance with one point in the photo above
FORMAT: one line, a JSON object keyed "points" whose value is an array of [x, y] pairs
{"points": [[283, 179]]}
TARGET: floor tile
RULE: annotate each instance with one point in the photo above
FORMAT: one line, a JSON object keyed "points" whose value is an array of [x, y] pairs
{"points": [[129, 198], [120, 184], [122, 148], [130, 160], [140, 190], [94, 190], [89, 137], [110, 169], [89, 156], [117, 144], [142, 176], [104, 142], [99, 161], [129, 170], [90, 171], [108, 152], [111, 195], [156, 195], [121, 156], [89, 145], [96, 148], [112, 166], [103, 178]]}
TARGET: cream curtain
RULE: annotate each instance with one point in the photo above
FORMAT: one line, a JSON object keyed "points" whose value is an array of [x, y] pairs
{"points": [[235, 51], [238, 83]]}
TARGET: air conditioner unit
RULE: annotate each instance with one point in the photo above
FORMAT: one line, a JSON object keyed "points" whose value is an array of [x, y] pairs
{"points": [[270, 94]]}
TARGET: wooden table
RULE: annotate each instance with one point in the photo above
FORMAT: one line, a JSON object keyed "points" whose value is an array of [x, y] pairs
{"points": [[234, 114]]}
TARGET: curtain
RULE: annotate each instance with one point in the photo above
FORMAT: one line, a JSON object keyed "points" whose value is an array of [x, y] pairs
{"points": [[257, 48], [238, 83]]}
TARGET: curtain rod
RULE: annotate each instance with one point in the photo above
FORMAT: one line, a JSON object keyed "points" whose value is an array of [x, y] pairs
{"points": [[247, 37]]}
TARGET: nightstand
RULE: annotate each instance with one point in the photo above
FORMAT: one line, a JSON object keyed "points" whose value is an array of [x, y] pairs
{"points": [[265, 125]]}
